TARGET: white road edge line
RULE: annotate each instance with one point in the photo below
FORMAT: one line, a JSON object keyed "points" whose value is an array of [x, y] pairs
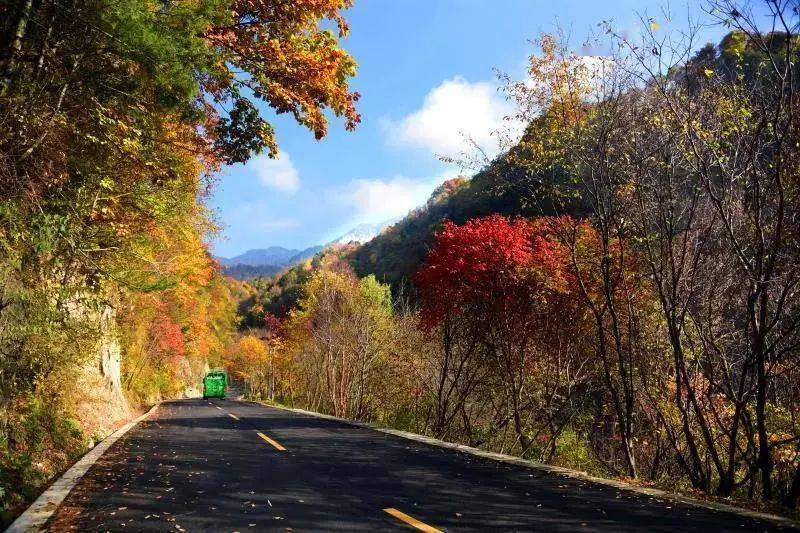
{"points": [[557, 470], [46, 504]]}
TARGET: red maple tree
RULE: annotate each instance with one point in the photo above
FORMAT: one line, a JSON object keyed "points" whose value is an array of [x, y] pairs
{"points": [[491, 266], [168, 338]]}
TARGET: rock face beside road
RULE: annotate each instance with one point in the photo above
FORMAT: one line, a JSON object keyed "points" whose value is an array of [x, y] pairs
{"points": [[236, 466], [103, 407]]}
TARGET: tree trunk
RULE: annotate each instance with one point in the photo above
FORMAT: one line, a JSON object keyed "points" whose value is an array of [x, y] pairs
{"points": [[793, 496], [764, 461], [15, 47]]}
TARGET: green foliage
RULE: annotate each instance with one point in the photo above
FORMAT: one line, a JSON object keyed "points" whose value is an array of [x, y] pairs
{"points": [[42, 441], [340, 349], [377, 296]]}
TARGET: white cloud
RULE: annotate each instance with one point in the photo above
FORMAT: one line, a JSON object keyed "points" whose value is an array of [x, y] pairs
{"points": [[279, 173], [452, 110], [377, 200]]}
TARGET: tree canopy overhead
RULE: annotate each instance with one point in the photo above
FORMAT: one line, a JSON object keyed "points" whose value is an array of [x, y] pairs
{"points": [[204, 63]]}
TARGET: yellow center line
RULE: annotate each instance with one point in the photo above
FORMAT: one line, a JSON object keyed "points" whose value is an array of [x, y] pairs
{"points": [[411, 521], [233, 416], [272, 442]]}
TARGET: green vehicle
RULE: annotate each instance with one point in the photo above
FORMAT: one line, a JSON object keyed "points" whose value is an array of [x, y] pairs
{"points": [[215, 384]]}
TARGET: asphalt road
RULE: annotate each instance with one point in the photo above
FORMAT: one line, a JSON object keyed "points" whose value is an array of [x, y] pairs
{"points": [[235, 466]]}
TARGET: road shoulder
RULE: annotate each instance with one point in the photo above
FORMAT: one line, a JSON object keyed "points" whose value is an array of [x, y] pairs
{"points": [[40, 511]]}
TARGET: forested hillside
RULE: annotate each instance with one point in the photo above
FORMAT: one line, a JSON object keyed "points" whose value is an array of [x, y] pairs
{"points": [[616, 293], [114, 118], [395, 254]]}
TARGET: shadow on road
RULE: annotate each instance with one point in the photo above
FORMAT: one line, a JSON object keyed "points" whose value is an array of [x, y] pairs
{"points": [[196, 468]]}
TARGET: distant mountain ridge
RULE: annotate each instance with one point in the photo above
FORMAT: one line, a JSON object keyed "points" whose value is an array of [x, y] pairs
{"points": [[274, 255], [264, 261], [268, 261]]}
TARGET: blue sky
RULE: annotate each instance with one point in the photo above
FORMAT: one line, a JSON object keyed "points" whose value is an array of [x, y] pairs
{"points": [[426, 73]]}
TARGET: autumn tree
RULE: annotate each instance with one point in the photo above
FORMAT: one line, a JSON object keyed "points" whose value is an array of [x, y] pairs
{"points": [[570, 155], [680, 158], [508, 286], [338, 333], [715, 182]]}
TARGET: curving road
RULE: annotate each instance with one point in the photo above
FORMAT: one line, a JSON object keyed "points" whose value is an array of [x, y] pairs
{"points": [[237, 466]]}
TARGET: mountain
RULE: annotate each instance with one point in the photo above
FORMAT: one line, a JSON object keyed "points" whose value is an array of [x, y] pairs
{"points": [[363, 233], [308, 253], [394, 250], [272, 256], [244, 272]]}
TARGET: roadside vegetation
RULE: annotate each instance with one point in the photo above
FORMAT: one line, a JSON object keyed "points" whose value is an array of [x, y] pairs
{"points": [[114, 117], [638, 315]]}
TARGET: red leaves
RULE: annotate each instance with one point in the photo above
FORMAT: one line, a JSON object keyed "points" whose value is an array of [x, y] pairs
{"points": [[168, 338], [491, 266], [273, 325]]}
